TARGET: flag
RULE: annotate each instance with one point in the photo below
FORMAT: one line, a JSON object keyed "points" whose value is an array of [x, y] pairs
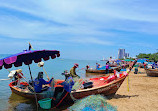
{"points": [[30, 46]]}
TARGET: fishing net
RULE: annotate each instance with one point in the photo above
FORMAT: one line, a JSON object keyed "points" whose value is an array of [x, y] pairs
{"points": [[78, 83], [92, 103], [50, 92]]}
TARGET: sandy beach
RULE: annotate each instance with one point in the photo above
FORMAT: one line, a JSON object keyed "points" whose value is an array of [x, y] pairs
{"points": [[142, 94]]}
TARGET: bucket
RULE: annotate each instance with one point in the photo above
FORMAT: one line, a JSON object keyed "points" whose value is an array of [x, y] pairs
{"points": [[45, 103]]}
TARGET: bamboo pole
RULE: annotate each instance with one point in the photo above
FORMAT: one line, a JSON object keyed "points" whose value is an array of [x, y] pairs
{"points": [[33, 88], [46, 73]]}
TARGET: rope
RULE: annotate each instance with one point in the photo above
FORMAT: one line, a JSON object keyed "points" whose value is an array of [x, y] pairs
{"points": [[80, 69], [62, 99], [73, 98], [5, 79]]}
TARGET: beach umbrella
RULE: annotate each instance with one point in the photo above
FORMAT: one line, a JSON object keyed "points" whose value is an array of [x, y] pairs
{"points": [[26, 57], [142, 60], [128, 60]]}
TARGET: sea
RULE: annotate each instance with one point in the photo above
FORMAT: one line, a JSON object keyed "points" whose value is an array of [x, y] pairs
{"points": [[54, 67]]}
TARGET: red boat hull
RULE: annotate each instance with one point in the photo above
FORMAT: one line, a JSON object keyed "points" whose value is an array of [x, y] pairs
{"points": [[106, 90]]}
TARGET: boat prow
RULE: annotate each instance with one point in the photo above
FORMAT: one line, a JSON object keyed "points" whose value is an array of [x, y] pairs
{"points": [[101, 85], [152, 72]]}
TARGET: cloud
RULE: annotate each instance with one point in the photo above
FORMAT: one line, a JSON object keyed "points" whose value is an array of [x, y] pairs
{"points": [[89, 13], [90, 40], [104, 22]]}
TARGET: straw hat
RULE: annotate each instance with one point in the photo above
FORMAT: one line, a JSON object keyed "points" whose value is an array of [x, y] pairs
{"points": [[40, 64], [18, 70]]}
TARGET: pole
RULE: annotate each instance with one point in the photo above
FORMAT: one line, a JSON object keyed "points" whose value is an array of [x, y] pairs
{"points": [[129, 72], [33, 88], [25, 79], [46, 74], [128, 83]]}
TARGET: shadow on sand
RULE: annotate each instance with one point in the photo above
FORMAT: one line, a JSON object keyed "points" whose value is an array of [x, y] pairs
{"points": [[117, 96]]}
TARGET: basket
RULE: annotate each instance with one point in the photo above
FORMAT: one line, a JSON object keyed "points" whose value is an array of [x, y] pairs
{"points": [[45, 103]]}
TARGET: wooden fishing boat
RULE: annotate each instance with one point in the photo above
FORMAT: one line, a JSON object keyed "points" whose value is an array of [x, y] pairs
{"points": [[152, 72], [101, 85], [25, 90], [101, 71], [98, 71], [59, 95]]}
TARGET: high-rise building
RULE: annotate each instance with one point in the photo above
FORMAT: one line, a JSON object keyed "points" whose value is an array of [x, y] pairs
{"points": [[121, 53], [126, 55]]}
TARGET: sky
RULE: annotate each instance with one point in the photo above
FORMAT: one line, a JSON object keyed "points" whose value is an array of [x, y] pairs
{"points": [[79, 29]]}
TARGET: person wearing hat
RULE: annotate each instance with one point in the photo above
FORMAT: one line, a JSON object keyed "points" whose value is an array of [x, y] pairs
{"points": [[73, 72], [18, 76], [39, 81]]}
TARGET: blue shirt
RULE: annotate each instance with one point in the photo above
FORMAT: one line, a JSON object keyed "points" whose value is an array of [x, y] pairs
{"points": [[97, 66], [38, 84], [68, 84]]}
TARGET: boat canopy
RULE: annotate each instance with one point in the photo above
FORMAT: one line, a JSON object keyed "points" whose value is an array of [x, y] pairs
{"points": [[142, 60], [27, 56], [128, 60]]}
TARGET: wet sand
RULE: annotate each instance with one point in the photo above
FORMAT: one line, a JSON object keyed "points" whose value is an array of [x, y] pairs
{"points": [[142, 94]]}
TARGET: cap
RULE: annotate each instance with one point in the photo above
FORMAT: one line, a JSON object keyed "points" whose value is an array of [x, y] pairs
{"points": [[76, 65]]}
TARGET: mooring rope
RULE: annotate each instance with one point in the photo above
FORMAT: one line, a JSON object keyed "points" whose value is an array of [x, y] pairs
{"points": [[5, 79]]}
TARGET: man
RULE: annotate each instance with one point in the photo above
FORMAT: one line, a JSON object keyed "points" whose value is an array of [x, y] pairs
{"points": [[97, 66], [39, 81], [73, 72]]}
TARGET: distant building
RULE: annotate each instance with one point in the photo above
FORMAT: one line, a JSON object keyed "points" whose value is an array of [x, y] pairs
{"points": [[121, 53], [126, 55]]}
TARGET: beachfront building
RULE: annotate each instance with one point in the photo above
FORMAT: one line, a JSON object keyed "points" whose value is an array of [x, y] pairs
{"points": [[126, 55], [121, 53]]}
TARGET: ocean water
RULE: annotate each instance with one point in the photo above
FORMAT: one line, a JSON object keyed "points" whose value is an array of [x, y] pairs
{"points": [[54, 67]]}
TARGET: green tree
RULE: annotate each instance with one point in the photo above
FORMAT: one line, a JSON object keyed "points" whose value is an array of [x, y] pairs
{"points": [[152, 57]]}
